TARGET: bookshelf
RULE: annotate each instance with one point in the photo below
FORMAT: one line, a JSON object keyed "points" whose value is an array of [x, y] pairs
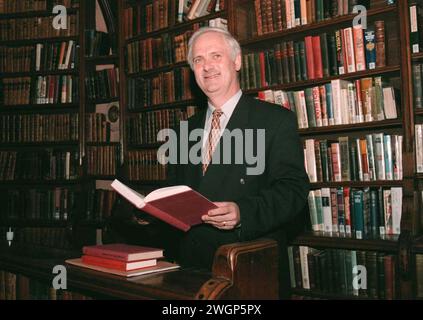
{"points": [[40, 71], [415, 20], [59, 143], [260, 35]]}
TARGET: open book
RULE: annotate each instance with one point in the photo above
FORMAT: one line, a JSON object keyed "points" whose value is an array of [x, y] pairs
{"points": [[179, 206]]}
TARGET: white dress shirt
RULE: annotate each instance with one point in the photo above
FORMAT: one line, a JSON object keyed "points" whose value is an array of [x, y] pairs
{"points": [[227, 109]]}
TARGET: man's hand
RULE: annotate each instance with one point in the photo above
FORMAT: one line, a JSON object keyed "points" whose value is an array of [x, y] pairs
{"points": [[225, 217]]}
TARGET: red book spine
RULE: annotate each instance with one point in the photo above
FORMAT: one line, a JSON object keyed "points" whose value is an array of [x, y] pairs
{"points": [[262, 69], [317, 56], [121, 256], [309, 57], [113, 264]]}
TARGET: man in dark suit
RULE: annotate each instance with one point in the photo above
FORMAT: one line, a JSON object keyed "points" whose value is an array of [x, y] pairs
{"points": [[264, 199]]}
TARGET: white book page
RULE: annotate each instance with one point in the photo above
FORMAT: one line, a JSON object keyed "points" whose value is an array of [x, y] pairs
{"points": [[165, 192], [134, 197]]}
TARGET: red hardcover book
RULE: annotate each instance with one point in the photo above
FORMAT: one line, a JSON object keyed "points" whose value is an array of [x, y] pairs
{"points": [[160, 267], [123, 252], [179, 206], [309, 57], [117, 264], [317, 56]]}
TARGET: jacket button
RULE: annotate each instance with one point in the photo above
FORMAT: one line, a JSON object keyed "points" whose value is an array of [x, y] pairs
{"points": [[241, 181]]}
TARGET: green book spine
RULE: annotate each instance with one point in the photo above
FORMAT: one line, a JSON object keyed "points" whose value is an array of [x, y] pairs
{"points": [[325, 54], [417, 86], [303, 61], [310, 107], [297, 57]]}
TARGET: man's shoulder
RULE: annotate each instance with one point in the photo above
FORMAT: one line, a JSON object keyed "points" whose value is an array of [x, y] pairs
{"points": [[264, 110]]}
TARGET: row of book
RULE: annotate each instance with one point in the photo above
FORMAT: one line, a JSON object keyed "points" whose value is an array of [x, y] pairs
{"points": [[55, 89], [359, 213], [15, 91], [339, 102], [55, 204], [198, 8], [12, 288], [13, 6], [416, 26], [364, 274], [52, 237], [16, 59], [103, 125], [143, 165], [99, 204], [7, 284], [66, 3], [97, 43], [44, 57], [102, 160], [99, 129], [166, 87], [56, 56], [144, 18], [144, 127], [102, 84], [418, 85], [47, 164], [50, 89], [150, 53], [16, 128], [328, 54], [278, 15], [36, 28], [149, 17], [376, 156]]}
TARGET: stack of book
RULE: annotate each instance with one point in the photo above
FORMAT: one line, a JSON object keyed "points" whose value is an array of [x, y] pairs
{"points": [[121, 256], [123, 259]]}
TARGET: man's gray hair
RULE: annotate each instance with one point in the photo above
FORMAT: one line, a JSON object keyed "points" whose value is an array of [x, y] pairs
{"points": [[233, 44]]}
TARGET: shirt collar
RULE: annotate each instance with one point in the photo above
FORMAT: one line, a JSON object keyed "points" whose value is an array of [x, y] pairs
{"points": [[228, 107]]}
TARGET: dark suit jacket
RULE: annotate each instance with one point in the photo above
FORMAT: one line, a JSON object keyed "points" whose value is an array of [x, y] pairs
{"points": [[271, 204]]}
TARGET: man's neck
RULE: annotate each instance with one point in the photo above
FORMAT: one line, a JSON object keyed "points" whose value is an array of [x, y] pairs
{"points": [[218, 102]]}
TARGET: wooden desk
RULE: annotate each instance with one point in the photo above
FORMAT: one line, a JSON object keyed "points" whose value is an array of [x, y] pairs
{"points": [[240, 271]]}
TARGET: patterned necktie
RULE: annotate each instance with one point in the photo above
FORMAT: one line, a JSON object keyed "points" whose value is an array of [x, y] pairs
{"points": [[214, 136]]}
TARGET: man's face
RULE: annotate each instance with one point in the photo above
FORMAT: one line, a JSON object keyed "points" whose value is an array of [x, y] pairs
{"points": [[214, 69]]}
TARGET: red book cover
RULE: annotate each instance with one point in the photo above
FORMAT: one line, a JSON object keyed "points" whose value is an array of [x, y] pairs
{"points": [[160, 267], [262, 70], [117, 264], [309, 57], [179, 206], [123, 252], [317, 56]]}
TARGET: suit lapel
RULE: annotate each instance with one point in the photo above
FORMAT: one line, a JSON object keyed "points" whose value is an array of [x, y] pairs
{"points": [[215, 174], [194, 171]]}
